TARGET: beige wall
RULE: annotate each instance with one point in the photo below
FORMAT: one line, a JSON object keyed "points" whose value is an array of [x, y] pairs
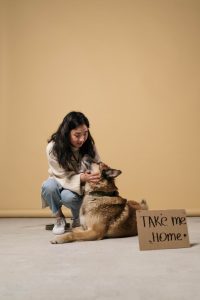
{"points": [[133, 67]]}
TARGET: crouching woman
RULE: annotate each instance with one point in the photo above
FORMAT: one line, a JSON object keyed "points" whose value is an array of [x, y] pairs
{"points": [[65, 185]]}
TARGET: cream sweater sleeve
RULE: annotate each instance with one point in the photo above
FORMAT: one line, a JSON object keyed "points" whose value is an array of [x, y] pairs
{"points": [[68, 180]]}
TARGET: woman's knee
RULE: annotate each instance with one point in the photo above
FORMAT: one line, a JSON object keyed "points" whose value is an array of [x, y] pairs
{"points": [[50, 186], [69, 197]]}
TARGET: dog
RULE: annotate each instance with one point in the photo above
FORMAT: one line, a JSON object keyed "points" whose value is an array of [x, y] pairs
{"points": [[103, 213]]}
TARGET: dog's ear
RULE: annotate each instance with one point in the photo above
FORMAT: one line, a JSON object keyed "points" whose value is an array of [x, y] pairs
{"points": [[110, 173]]}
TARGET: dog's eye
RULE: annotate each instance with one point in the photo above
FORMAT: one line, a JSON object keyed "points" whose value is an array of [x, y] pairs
{"points": [[104, 174]]}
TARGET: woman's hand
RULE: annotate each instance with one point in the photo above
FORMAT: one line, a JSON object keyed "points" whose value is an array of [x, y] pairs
{"points": [[90, 177]]}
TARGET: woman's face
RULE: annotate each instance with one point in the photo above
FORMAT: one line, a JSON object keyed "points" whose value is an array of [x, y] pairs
{"points": [[78, 136]]}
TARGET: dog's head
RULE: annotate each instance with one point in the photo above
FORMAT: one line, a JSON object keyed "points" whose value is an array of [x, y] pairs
{"points": [[108, 173], [107, 178]]}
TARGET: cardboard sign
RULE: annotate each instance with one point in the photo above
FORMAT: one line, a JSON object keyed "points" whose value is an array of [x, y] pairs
{"points": [[162, 229]]}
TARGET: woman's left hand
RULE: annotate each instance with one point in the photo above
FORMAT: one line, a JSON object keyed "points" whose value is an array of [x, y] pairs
{"points": [[90, 177]]}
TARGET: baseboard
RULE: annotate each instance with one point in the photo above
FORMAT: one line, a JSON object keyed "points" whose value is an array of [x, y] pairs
{"points": [[193, 212], [46, 213], [31, 213]]}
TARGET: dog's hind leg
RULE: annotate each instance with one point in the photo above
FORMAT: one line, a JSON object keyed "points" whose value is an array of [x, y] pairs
{"points": [[144, 205], [134, 204], [95, 233]]}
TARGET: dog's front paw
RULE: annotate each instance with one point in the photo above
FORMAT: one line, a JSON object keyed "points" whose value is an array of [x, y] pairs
{"points": [[53, 241], [63, 238], [56, 240]]}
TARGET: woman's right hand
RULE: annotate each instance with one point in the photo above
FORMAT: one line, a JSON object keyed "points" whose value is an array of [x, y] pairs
{"points": [[90, 177]]}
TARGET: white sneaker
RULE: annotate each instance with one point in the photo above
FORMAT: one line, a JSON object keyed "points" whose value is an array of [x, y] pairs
{"points": [[59, 227]]}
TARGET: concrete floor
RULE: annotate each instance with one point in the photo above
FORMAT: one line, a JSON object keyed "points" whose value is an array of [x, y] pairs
{"points": [[32, 268]]}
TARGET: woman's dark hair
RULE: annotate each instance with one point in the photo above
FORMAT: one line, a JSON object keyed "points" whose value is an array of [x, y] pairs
{"points": [[61, 138]]}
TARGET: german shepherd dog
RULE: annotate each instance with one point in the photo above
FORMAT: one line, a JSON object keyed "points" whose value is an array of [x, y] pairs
{"points": [[103, 214]]}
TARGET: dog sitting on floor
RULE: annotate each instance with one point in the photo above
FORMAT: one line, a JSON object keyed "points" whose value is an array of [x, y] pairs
{"points": [[103, 214]]}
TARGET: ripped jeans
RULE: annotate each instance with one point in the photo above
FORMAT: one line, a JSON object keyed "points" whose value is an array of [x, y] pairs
{"points": [[55, 196]]}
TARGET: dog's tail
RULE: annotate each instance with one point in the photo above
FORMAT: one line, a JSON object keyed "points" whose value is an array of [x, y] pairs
{"points": [[144, 204]]}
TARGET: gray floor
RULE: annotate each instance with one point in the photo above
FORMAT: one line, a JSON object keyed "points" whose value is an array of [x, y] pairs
{"points": [[32, 268]]}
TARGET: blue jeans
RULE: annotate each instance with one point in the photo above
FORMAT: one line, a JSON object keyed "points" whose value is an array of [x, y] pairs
{"points": [[55, 196]]}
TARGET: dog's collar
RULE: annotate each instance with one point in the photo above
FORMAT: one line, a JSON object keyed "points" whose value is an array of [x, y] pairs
{"points": [[101, 193]]}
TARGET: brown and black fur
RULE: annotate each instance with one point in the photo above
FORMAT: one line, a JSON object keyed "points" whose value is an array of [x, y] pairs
{"points": [[103, 214]]}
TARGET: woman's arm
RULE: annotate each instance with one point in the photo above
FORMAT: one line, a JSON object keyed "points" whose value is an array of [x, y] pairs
{"points": [[68, 179]]}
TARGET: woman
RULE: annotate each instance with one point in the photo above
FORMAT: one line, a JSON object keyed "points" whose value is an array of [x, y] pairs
{"points": [[65, 184]]}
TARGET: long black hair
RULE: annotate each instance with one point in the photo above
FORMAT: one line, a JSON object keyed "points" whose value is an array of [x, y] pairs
{"points": [[61, 138]]}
